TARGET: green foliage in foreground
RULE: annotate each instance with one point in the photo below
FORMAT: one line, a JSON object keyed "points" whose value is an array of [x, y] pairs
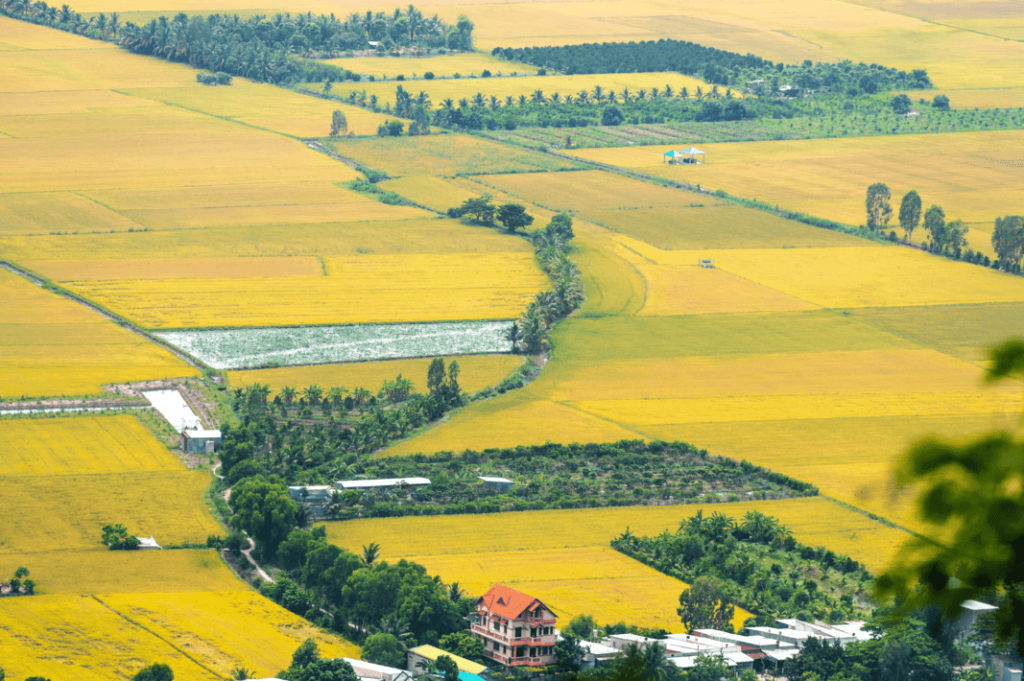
{"points": [[973, 495], [116, 538]]}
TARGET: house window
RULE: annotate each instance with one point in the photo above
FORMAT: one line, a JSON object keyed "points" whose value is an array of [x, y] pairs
{"points": [[519, 632]]}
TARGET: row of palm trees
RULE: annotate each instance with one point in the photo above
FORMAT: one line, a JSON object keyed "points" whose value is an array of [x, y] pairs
{"points": [[530, 331], [597, 96]]}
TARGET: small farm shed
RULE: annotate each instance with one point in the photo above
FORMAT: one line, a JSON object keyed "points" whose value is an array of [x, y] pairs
{"points": [[200, 441], [368, 670], [500, 485], [410, 484], [149, 543], [686, 156], [706, 263]]}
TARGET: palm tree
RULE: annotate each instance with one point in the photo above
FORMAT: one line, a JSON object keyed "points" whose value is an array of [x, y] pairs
{"points": [[478, 99], [313, 394], [241, 673], [669, 92], [538, 97], [684, 93], [288, 394], [556, 98], [598, 94], [522, 100], [455, 592], [641, 95], [583, 96], [655, 92], [700, 93], [509, 101], [495, 102], [371, 554], [569, 99], [336, 395]]}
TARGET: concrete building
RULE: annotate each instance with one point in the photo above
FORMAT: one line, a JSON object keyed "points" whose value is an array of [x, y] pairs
{"points": [[1006, 668], [200, 441], [500, 485], [368, 671], [597, 654], [517, 629]]}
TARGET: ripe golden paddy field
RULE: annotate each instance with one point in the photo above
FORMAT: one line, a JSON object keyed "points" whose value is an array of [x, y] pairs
{"points": [[367, 288], [980, 184], [447, 154], [476, 373], [570, 565], [81, 444], [114, 636], [52, 346]]}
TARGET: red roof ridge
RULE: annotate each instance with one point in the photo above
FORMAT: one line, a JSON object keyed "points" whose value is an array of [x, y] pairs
{"points": [[508, 603]]}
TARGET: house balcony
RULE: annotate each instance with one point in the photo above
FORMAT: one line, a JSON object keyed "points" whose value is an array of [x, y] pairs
{"points": [[507, 661], [490, 634]]}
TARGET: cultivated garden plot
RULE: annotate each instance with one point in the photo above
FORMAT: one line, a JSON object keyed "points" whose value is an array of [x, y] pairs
{"points": [[246, 348]]}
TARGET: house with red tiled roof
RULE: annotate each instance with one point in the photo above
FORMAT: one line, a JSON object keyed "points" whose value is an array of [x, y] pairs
{"points": [[516, 628]]}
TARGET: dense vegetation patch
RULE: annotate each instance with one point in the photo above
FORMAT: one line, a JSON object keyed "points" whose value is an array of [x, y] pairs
{"points": [[716, 66], [757, 564], [259, 48]]}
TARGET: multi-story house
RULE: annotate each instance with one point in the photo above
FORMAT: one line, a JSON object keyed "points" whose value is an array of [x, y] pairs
{"points": [[517, 629]]}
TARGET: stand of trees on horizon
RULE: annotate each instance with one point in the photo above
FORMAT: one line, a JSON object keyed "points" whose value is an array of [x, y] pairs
{"points": [[719, 67], [261, 48]]}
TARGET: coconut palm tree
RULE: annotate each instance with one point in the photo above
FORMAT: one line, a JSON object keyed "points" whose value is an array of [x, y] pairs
{"points": [[241, 673], [371, 554], [313, 394], [288, 394]]}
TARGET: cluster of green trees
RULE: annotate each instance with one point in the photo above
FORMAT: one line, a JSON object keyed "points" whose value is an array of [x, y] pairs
{"points": [[300, 446], [947, 238], [307, 665], [717, 66], [549, 476], [902, 652], [552, 246], [219, 78], [755, 563], [116, 538], [362, 595], [260, 47], [20, 583]]}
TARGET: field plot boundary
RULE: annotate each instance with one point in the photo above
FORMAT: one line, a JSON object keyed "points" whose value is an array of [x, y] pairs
{"points": [[155, 635], [124, 323]]}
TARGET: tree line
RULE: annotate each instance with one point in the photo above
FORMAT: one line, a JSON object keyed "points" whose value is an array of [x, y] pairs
{"points": [[261, 48], [947, 238], [755, 563], [719, 67], [554, 476], [265, 443]]}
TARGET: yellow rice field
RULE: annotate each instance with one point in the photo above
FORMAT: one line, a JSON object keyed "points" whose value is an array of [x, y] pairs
{"points": [[814, 183], [226, 268], [963, 331], [434, 192], [52, 346], [66, 512], [575, 581], [465, 64], [447, 154], [883, 372], [96, 572], [56, 212], [814, 521], [332, 239], [80, 444], [114, 636], [687, 289], [80, 637], [207, 625], [862, 277], [367, 288], [716, 226], [476, 373], [261, 105]]}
